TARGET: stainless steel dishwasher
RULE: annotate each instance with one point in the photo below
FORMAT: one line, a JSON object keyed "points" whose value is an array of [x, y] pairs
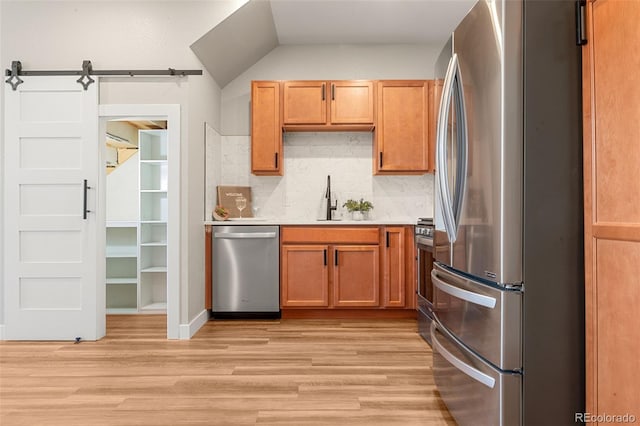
{"points": [[246, 271]]}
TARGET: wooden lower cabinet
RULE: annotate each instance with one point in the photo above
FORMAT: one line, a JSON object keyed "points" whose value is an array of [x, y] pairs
{"points": [[347, 268], [356, 280], [393, 267], [304, 276], [305, 272]]}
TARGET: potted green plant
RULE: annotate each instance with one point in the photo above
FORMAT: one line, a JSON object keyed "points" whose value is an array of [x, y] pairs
{"points": [[358, 209]]}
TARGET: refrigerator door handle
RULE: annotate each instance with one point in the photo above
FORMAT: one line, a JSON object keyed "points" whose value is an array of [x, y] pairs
{"points": [[475, 374], [466, 295], [462, 146], [453, 92], [441, 154]]}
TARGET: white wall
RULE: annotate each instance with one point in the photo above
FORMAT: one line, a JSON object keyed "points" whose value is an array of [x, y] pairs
{"points": [[134, 35], [122, 191], [310, 157]]}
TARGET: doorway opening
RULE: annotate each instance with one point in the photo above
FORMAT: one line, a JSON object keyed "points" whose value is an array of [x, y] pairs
{"points": [[140, 164]]}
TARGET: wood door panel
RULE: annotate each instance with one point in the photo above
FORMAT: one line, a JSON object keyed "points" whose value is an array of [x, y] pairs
{"points": [[402, 126], [355, 276], [352, 102], [266, 131], [329, 235], [305, 102], [304, 279], [394, 267], [617, 101], [618, 322], [611, 101]]}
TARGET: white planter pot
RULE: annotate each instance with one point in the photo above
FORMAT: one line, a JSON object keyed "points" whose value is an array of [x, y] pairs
{"points": [[357, 215]]}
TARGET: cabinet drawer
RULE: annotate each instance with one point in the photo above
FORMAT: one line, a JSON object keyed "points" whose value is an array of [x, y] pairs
{"points": [[327, 235]]}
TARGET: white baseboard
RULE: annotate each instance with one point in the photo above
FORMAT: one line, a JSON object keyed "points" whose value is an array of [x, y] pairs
{"points": [[188, 330], [1, 331]]}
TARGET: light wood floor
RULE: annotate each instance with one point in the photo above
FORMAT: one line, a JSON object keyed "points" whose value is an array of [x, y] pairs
{"points": [[288, 372]]}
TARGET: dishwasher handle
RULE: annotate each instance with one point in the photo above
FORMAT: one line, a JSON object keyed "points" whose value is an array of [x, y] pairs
{"points": [[243, 235]]}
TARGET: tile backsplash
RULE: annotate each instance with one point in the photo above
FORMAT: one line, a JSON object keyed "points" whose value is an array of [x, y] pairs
{"points": [[308, 159]]}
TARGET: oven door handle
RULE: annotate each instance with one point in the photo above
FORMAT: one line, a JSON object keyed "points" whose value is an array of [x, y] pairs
{"points": [[469, 296]]}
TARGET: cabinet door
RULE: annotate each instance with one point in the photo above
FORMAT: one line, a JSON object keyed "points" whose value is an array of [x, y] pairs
{"points": [[305, 102], [352, 102], [611, 101], [304, 279], [393, 267], [355, 276], [435, 93], [402, 128], [266, 131]]}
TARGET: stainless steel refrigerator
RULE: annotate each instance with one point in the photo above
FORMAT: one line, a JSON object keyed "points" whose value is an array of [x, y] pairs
{"points": [[508, 334]]}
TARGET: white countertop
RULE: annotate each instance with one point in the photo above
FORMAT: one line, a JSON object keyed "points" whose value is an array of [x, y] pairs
{"points": [[310, 222]]}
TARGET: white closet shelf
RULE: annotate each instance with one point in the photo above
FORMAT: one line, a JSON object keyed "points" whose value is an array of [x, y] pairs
{"points": [[154, 244], [157, 191], [123, 252], [121, 224], [131, 280], [154, 269]]}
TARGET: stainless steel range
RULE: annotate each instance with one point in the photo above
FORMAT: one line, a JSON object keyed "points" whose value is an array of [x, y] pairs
{"points": [[424, 249]]}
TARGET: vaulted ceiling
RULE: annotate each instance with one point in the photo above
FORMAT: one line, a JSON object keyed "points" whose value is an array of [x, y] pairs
{"points": [[259, 26]]}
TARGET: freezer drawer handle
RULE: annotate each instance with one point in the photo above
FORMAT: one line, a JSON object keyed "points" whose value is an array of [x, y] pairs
{"points": [[469, 296], [475, 374], [243, 235]]}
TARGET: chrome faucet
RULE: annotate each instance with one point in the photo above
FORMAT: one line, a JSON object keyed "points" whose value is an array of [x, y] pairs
{"points": [[330, 206]]}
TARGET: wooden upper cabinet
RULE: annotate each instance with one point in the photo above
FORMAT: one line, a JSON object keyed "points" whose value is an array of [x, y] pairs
{"points": [[266, 129], [352, 102], [328, 105], [401, 143], [305, 102], [435, 93]]}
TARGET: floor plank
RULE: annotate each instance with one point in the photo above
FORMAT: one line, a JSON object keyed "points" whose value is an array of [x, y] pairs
{"points": [[271, 372]]}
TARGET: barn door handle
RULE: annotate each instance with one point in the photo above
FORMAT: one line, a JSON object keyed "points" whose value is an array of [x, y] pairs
{"points": [[84, 200]]}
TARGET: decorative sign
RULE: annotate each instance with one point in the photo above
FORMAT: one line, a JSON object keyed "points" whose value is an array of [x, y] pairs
{"points": [[231, 198]]}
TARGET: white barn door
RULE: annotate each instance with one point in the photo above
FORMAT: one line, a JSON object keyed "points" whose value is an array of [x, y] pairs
{"points": [[51, 148]]}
